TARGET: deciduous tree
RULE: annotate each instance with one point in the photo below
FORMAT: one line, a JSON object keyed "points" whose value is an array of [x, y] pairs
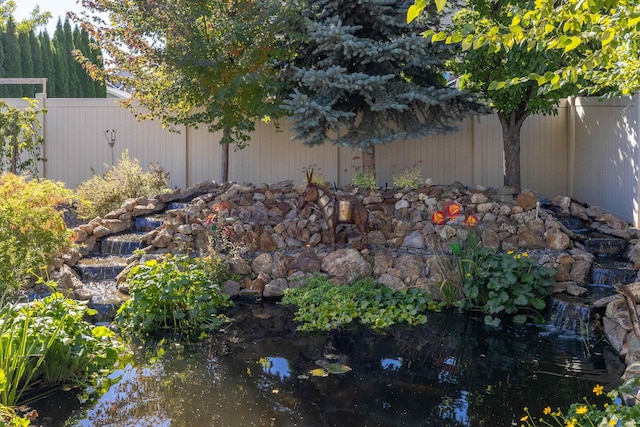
{"points": [[479, 68], [192, 62]]}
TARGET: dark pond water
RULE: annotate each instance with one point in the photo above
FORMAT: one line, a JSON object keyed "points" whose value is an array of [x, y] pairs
{"points": [[453, 372]]}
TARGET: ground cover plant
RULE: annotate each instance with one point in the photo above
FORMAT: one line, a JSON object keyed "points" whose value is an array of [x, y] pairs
{"points": [[102, 194], [32, 229], [177, 294], [323, 305]]}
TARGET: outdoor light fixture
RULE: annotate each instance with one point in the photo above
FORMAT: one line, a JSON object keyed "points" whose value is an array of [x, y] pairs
{"points": [[110, 135]]}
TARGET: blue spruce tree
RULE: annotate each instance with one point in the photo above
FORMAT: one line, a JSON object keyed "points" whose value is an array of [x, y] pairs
{"points": [[365, 77]]}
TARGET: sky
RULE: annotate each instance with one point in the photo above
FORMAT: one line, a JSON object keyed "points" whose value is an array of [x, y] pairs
{"points": [[56, 7]]}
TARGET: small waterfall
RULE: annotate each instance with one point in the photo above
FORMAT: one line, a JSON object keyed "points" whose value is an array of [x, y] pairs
{"points": [[148, 223], [100, 268], [122, 244], [605, 246], [612, 272], [571, 315]]}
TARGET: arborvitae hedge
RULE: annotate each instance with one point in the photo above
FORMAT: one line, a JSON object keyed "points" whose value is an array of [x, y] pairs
{"points": [[38, 55]]}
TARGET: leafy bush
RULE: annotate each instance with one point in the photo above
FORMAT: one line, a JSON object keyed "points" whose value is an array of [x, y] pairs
{"points": [[21, 137], [100, 195], [324, 306], [364, 180], [48, 342], [31, 229], [504, 283], [585, 414], [408, 178], [493, 282], [179, 294]]}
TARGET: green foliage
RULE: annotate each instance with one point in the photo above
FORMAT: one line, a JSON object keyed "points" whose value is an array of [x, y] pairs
{"points": [[365, 78], [492, 282], [408, 179], [32, 230], [20, 137], [178, 294], [48, 342], [324, 306], [9, 418], [499, 283], [586, 414], [215, 67], [100, 195], [364, 180]]}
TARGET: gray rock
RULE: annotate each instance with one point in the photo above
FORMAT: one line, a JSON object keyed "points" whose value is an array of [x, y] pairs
{"points": [[263, 264], [346, 264], [392, 282], [275, 288], [414, 240]]}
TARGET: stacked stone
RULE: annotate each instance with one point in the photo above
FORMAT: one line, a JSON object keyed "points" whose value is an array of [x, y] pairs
{"points": [[283, 243]]}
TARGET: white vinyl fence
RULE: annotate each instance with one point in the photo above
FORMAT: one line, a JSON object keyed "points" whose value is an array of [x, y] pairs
{"points": [[589, 151]]}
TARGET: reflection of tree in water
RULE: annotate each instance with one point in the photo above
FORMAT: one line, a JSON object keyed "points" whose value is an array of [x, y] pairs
{"points": [[452, 372]]}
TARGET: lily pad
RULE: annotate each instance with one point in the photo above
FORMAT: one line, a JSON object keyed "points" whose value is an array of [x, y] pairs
{"points": [[337, 369], [318, 372], [331, 356], [321, 362]]}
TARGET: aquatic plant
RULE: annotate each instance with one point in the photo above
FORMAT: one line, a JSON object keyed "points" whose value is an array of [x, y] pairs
{"points": [[495, 282], [32, 230], [322, 305], [47, 341], [585, 414], [177, 294]]}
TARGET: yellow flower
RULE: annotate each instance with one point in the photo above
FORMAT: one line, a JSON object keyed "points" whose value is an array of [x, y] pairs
{"points": [[571, 423], [581, 410], [525, 418], [613, 422], [509, 252], [524, 254], [468, 274], [547, 410], [597, 389], [516, 256]]}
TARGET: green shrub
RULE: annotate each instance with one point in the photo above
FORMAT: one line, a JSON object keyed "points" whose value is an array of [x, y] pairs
{"points": [[32, 231], [100, 195], [179, 294], [410, 179], [364, 180], [48, 342], [490, 281], [504, 283], [324, 306]]}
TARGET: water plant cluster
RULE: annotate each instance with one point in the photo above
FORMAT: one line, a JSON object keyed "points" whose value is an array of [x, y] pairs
{"points": [[48, 342], [178, 294], [490, 281]]}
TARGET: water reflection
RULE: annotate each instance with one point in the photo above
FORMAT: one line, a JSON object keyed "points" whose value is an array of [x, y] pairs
{"points": [[454, 372]]}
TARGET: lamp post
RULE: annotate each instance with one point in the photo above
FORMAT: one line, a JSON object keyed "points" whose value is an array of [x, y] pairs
{"points": [[110, 135]]}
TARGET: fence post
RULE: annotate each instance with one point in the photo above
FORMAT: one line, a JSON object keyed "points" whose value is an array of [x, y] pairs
{"points": [[571, 149]]}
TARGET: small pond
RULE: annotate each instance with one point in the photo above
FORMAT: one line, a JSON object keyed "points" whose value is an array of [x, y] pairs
{"points": [[453, 372]]}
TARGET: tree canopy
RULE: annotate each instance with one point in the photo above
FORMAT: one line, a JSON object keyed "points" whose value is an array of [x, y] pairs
{"points": [[607, 30], [192, 62], [478, 68], [364, 78]]}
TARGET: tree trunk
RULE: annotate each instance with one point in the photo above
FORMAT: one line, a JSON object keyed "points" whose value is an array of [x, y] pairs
{"points": [[511, 126], [369, 161], [224, 156]]}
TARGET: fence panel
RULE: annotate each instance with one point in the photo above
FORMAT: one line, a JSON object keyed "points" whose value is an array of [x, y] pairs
{"points": [[607, 155]]}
